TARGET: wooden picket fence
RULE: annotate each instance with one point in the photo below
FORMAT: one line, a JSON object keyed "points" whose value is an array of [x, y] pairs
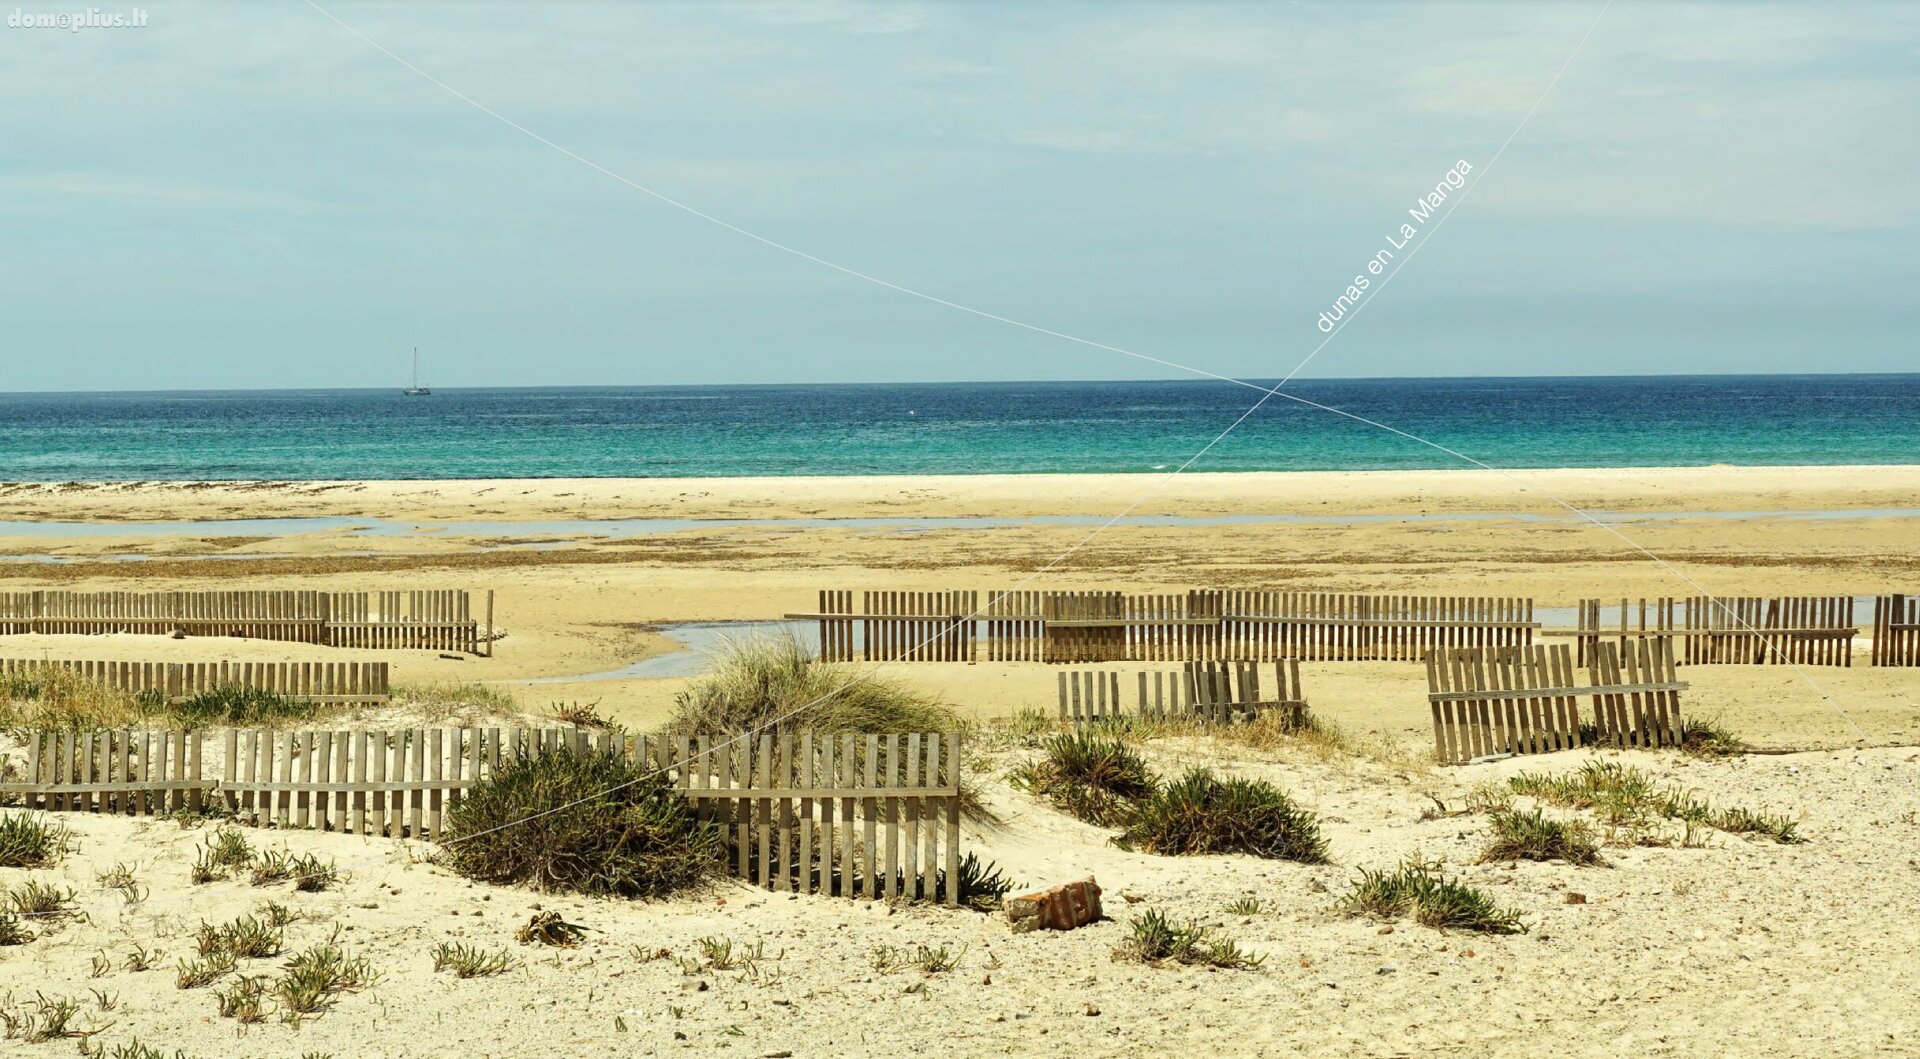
{"points": [[1732, 630], [909, 626], [438, 619], [1526, 700], [1072, 627], [1896, 630], [351, 683], [854, 815], [1339, 627], [1219, 692]]}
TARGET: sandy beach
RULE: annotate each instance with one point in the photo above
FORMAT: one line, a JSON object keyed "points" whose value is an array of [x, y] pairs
{"points": [[579, 600], [1739, 948]]}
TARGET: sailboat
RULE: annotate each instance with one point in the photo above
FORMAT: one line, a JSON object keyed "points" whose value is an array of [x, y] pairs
{"points": [[414, 389]]}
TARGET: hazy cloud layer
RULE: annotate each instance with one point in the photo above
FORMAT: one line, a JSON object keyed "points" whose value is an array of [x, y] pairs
{"points": [[246, 195]]}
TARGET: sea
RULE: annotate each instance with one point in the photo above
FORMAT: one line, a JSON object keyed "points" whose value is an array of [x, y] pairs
{"points": [[960, 428]]}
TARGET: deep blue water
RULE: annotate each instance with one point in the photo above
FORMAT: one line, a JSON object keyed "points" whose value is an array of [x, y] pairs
{"points": [[957, 428]]}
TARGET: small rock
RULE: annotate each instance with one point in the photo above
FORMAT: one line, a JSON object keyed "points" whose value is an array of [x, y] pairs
{"points": [[1092, 1010], [1388, 969], [1385, 930], [986, 979], [782, 1054], [1131, 897], [1573, 898], [1317, 886]]}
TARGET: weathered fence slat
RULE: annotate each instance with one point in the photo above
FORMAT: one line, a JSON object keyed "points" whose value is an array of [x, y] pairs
{"points": [[438, 619], [1489, 701]]}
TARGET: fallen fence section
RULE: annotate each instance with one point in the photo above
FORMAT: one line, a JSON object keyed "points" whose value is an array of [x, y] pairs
{"points": [[1212, 691], [1896, 630], [438, 619], [1496, 701], [854, 815], [1735, 630], [351, 683]]}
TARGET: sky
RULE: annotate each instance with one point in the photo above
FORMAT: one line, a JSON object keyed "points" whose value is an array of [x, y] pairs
{"points": [[241, 195]]}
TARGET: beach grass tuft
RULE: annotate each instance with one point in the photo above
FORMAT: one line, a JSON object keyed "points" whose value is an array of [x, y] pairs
{"points": [[470, 961], [32, 840], [581, 823], [1155, 939], [1202, 812], [1425, 893], [1531, 835], [1624, 796], [1093, 777], [754, 683]]}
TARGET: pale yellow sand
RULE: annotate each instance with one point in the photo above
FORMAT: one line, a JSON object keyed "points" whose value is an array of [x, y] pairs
{"points": [[1743, 948], [1308, 492]]}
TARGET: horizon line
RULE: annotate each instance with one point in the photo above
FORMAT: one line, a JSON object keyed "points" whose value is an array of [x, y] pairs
{"points": [[1182, 380]]}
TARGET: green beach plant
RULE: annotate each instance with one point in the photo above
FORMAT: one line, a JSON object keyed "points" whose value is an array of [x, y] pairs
{"points": [[1202, 813]]}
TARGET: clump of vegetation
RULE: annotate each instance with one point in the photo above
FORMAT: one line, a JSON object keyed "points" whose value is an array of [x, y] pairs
{"points": [[449, 700], [32, 840], [1203, 813], [246, 938], [581, 715], [315, 977], [13, 931], [927, 959], [245, 1000], [1095, 778], [1531, 835], [222, 853], [309, 873], [1424, 892], [142, 959], [754, 683], [193, 974], [1623, 795], [45, 1019], [548, 928], [1155, 939], [583, 823], [121, 878], [238, 704], [34, 899], [57, 699], [470, 961], [1245, 906], [1709, 738], [983, 886], [722, 954]]}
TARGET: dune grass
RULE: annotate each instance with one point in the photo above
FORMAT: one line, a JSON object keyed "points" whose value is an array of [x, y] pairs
{"points": [[56, 699], [581, 823], [1092, 777], [32, 839], [1531, 835], [757, 683], [1707, 737], [1202, 812], [1621, 795], [1425, 893], [1154, 939]]}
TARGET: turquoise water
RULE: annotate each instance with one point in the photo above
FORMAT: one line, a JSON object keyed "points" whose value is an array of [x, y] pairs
{"points": [[957, 428]]}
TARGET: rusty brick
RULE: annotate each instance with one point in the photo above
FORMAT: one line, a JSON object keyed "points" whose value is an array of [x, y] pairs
{"points": [[1063, 907]]}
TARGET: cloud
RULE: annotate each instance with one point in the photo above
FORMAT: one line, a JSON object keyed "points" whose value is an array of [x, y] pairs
{"points": [[149, 192]]}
